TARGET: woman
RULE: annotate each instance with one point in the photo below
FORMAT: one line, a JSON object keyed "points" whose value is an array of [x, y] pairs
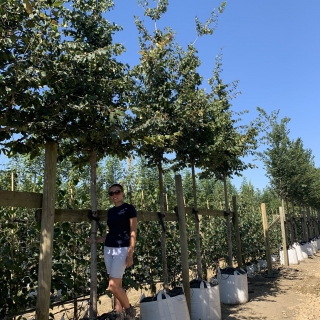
{"points": [[119, 248]]}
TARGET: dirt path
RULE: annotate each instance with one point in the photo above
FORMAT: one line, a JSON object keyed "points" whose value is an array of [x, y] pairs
{"points": [[293, 293]]}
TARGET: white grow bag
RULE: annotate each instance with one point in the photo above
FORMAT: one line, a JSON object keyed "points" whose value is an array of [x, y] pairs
{"points": [[205, 302], [314, 246], [304, 250], [233, 287], [298, 251], [309, 249], [292, 256], [171, 308]]}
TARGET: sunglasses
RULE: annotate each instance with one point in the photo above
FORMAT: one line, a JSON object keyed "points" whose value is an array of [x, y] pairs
{"points": [[111, 193]]}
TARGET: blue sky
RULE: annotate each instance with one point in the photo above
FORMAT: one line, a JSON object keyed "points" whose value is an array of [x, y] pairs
{"points": [[272, 47]]}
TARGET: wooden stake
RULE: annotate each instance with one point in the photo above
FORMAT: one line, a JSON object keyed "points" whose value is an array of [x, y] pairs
{"points": [[237, 232], [167, 202], [229, 236], [183, 240], [266, 237], [197, 225], [142, 200], [46, 237], [93, 234]]}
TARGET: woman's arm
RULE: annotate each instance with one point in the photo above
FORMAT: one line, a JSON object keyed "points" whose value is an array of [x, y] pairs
{"points": [[133, 237], [99, 239]]}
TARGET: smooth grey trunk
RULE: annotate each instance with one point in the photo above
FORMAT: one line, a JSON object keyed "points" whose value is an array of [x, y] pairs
{"points": [[183, 240], [197, 224], [294, 223], [227, 221], [93, 249], [163, 234]]}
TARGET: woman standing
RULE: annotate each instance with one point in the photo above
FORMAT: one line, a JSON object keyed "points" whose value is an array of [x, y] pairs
{"points": [[119, 246]]}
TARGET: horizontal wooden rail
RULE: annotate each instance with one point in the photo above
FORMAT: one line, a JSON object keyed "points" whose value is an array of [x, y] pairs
{"points": [[20, 199], [34, 200], [274, 222], [72, 215]]}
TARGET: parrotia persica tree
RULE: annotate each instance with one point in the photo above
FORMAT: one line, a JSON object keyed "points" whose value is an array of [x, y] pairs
{"points": [[289, 166], [167, 83], [61, 82], [224, 157]]}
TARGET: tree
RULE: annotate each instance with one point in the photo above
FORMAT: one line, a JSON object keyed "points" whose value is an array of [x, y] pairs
{"points": [[225, 157]]}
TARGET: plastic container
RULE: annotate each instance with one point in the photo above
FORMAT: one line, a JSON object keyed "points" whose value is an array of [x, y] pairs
{"points": [[297, 247], [233, 285], [205, 300]]}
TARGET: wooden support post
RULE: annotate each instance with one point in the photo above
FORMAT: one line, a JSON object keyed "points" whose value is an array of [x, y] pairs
{"points": [[93, 312], [237, 231], [305, 226], [183, 240], [46, 237], [12, 185], [309, 228], [167, 202], [197, 225], [284, 239], [266, 238]]}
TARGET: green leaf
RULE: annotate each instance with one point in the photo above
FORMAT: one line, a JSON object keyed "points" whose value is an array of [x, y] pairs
{"points": [[27, 5], [57, 3]]}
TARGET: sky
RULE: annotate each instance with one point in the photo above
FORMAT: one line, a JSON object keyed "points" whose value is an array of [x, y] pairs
{"points": [[272, 47]]}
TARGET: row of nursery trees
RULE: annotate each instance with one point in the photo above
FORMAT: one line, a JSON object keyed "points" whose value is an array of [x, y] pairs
{"points": [[61, 81], [71, 264], [70, 271]]}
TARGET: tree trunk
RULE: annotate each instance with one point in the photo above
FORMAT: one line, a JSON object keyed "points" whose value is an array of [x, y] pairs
{"points": [[93, 234], [197, 224], [227, 221], [163, 234]]}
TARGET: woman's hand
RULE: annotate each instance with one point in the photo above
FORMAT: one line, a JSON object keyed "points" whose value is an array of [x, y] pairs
{"points": [[129, 260]]}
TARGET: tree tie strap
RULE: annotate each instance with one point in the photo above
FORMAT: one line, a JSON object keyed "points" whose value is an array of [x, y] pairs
{"points": [[92, 215], [161, 218], [175, 209], [195, 212]]}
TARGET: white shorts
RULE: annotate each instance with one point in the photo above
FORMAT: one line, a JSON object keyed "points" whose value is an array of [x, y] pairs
{"points": [[115, 260]]}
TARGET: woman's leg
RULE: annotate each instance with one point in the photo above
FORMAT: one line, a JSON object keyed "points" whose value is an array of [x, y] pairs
{"points": [[121, 299], [116, 303]]}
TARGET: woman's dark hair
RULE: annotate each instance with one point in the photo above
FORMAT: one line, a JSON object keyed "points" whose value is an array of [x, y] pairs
{"points": [[116, 185]]}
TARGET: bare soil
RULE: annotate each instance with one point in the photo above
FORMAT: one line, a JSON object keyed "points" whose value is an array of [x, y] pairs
{"points": [[291, 293]]}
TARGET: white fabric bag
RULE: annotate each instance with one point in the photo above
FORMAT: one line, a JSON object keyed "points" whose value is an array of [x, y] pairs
{"points": [[205, 302], [171, 308], [233, 287]]}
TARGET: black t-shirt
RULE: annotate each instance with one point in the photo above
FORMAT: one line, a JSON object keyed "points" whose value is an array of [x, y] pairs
{"points": [[119, 225]]}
